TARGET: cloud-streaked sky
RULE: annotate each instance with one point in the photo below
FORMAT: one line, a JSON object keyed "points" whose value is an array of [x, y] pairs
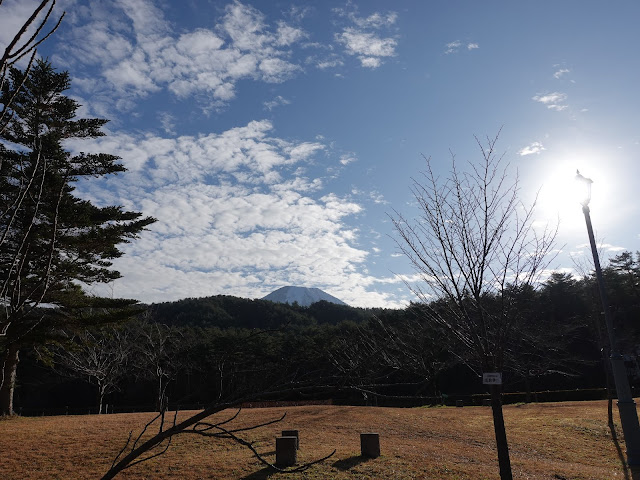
{"points": [[271, 139]]}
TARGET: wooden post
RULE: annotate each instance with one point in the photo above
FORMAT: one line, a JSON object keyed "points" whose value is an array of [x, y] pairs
{"points": [[370, 445], [286, 454], [292, 433]]}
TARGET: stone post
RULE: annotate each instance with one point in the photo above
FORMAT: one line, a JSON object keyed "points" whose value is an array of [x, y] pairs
{"points": [[370, 445], [292, 433], [286, 454]]}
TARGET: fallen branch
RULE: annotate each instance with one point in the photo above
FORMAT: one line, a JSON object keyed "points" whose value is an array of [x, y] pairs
{"points": [[196, 427]]}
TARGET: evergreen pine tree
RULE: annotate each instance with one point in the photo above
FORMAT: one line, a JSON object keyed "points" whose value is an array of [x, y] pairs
{"points": [[51, 241]]}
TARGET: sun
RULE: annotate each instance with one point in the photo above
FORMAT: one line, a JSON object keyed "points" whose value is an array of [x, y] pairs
{"points": [[560, 193]]}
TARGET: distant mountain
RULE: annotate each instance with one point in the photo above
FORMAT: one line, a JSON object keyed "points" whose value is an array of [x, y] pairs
{"points": [[301, 295]]}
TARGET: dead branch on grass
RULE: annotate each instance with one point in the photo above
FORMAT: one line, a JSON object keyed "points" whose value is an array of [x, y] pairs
{"points": [[201, 428]]}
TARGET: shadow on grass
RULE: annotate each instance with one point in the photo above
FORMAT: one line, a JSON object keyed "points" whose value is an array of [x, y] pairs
{"points": [[630, 473], [265, 473], [350, 462]]}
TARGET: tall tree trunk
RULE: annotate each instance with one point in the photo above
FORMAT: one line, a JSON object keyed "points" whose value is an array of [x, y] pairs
{"points": [[527, 386], [160, 401], [9, 369], [100, 398], [501, 435]]}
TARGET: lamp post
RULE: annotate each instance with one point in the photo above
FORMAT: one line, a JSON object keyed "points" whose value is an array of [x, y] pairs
{"points": [[626, 405]]}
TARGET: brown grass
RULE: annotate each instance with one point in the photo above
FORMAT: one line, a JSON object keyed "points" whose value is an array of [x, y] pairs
{"points": [[548, 441]]}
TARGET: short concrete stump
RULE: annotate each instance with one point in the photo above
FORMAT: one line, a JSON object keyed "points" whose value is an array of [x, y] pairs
{"points": [[370, 445], [286, 452], [292, 433]]}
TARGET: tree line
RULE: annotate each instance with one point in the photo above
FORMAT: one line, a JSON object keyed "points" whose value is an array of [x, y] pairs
{"points": [[213, 346]]}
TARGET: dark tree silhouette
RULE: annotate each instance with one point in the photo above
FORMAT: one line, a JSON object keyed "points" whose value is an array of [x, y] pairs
{"points": [[50, 239]]}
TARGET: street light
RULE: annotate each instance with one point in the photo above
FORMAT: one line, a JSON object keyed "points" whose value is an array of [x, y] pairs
{"points": [[626, 405]]}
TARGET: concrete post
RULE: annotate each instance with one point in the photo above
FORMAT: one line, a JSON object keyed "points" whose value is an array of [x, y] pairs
{"points": [[370, 445], [292, 433], [286, 453]]}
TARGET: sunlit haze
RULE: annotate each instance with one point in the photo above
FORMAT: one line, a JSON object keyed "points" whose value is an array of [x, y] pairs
{"points": [[272, 139]]}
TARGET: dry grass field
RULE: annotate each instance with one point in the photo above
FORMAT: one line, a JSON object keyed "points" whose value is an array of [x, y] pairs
{"points": [[548, 441]]}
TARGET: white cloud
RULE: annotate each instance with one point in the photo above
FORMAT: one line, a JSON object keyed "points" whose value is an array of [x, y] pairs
{"points": [[553, 101], [346, 159], [363, 39], [324, 62], [535, 147], [367, 46], [276, 102], [454, 47], [288, 35], [145, 55], [370, 62], [607, 247], [561, 72], [235, 217], [377, 197], [168, 122], [375, 20]]}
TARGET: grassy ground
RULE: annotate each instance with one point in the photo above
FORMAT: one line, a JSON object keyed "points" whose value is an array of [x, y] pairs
{"points": [[547, 441]]}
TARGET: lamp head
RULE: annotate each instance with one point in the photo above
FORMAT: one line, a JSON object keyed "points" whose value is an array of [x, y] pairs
{"points": [[584, 183]]}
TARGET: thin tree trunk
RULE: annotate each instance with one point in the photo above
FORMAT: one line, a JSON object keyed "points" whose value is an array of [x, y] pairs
{"points": [[160, 402], [9, 369], [527, 386], [501, 435], [100, 398]]}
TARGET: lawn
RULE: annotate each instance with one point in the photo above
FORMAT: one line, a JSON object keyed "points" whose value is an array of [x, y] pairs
{"points": [[551, 441]]}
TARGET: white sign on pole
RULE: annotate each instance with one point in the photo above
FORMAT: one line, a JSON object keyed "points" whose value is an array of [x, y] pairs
{"points": [[492, 378]]}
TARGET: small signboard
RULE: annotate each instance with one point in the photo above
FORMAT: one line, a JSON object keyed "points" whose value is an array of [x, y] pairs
{"points": [[492, 378]]}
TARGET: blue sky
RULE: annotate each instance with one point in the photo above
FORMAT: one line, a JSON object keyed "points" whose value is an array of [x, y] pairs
{"points": [[271, 139]]}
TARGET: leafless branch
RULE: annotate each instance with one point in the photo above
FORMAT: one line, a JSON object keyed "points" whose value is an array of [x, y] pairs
{"points": [[18, 48]]}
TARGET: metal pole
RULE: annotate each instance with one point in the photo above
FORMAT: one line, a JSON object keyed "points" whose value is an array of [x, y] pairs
{"points": [[626, 405]]}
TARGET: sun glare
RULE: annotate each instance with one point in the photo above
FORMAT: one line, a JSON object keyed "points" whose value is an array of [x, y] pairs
{"points": [[561, 194]]}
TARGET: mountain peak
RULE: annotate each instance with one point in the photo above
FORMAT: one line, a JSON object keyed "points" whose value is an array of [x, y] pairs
{"points": [[302, 295]]}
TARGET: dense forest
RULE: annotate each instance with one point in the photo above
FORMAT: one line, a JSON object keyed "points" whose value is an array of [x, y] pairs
{"points": [[194, 351]]}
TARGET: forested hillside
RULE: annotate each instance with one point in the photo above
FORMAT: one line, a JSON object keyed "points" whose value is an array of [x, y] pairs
{"points": [[195, 350], [225, 311]]}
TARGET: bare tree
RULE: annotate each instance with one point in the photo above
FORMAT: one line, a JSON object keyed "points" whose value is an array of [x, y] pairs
{"points": [[473, 245], [100, 358], [157, 348]]}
